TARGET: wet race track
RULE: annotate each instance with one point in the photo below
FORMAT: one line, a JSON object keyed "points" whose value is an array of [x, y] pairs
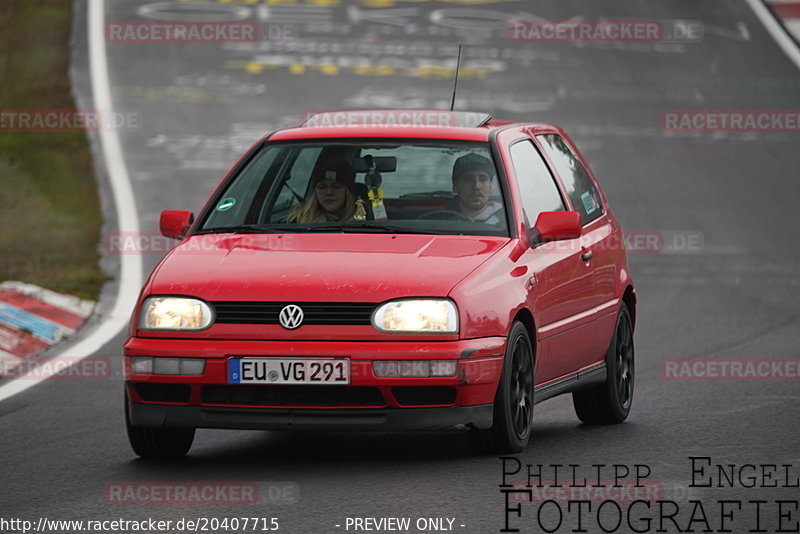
{"points": [[714, 257]]}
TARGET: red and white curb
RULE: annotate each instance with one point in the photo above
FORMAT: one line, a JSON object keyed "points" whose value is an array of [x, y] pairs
{"points": [[788, 11], [33, 318], [129, 279]]}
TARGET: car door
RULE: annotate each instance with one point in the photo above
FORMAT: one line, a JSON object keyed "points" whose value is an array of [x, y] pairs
{"points": [[600, 240], [560, 283]]}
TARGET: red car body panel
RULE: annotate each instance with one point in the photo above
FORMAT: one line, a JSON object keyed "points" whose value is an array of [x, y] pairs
{"points": [[315, 268], [569, 302], [324, 267]]}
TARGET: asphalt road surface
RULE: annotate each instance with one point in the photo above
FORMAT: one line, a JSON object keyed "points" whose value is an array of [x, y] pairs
{"points": [[721, 284]]}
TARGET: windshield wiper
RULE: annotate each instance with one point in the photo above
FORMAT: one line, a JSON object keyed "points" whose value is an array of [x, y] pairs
{"points": [[241, 229], [369, 227]]}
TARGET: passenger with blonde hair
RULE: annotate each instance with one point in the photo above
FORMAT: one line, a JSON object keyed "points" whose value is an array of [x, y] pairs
{"points": [[331, 200]]}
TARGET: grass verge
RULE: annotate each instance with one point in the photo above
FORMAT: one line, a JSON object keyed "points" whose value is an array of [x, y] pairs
{"points": [[49, 209]]}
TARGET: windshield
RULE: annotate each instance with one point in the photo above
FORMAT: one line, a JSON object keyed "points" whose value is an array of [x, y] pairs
{"points": [[371, 186]]}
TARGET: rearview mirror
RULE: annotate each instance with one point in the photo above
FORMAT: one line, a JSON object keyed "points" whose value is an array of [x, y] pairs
{"points": [[384, 164], [175, 223], [555, 226]]}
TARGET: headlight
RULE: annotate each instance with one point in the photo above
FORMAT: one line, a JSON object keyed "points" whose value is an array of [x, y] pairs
{"points": [[175, 313], [424, 316]]}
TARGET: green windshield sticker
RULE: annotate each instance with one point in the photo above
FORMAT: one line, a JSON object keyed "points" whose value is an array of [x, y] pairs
{"points": [[226, 204], [588, 202]]}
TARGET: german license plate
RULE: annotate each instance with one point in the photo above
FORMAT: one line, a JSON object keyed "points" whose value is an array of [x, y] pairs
{"points": [[288, 371]]}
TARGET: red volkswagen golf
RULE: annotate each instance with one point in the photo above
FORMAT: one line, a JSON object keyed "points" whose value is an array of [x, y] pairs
{"points": [[387, 270]]}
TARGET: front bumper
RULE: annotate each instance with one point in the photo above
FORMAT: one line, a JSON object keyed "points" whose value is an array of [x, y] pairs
{"points": [[166, 416], [368, 402]]}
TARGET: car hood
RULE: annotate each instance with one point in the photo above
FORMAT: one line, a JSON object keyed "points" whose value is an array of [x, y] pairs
{"points": [[319, 267]]}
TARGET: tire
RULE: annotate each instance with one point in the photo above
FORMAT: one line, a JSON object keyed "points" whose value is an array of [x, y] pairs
{"points": [[513, 404], [611, 401], [158, 443]]}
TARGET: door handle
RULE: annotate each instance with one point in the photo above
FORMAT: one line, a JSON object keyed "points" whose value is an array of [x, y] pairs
{"points": [[586, 256]]}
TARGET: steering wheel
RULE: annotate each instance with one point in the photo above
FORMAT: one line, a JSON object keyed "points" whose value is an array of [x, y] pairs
{"points": [[445, 215]]}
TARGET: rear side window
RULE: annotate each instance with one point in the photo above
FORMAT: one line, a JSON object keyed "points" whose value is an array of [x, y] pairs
{"points": [[536, 185], [580, 188]]}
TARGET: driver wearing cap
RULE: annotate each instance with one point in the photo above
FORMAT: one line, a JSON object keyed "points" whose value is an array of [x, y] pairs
{"points": [[472, 183], [331, 199]]}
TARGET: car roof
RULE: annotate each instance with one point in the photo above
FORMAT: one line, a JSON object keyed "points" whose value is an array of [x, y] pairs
{"points": [[399, 123]]}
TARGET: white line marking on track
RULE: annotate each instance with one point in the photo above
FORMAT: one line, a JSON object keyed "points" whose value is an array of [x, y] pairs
{"points": [[130, 279], [776, 30]]}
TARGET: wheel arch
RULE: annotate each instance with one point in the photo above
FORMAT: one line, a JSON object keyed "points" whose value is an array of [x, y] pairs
{"points": [[629, 298], [525, 316]]}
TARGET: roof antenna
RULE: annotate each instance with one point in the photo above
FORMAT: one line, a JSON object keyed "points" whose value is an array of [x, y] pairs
{"points": [[455, 82]]}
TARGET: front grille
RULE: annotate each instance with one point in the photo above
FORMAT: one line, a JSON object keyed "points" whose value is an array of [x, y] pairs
{"points": [[424, 395], [178, 393], [293, 395], [314, 313]]}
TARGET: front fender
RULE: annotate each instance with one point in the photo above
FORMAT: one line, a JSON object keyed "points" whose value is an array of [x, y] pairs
{"points": [[490, 297]]}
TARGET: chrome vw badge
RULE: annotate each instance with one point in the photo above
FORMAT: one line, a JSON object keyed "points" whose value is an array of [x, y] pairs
{"points": [[291, 316]]}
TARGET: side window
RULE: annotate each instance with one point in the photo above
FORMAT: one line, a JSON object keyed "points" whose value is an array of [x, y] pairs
{"points": [[582, 192], [235, 203], [536, 185], [297, 183]]}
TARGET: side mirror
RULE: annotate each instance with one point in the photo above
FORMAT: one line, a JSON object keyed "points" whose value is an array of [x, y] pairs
{"points": [[175, 223], [555, 226]]}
